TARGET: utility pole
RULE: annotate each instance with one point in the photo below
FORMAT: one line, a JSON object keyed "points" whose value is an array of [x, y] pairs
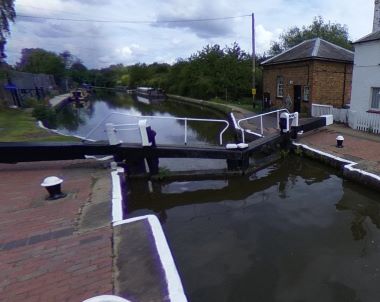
{"points": [[253, 61]]}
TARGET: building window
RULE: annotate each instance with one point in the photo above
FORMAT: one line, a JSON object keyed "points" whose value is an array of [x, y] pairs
{"points": [[375, 104], [280, 87], [306, 93]]}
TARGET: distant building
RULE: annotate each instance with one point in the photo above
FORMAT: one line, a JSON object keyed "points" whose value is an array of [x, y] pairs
{"points": [[366, 74], [22, 85], [314, 71]]}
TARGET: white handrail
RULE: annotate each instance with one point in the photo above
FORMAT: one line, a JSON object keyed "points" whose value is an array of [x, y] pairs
{"points": [[261, 134], [185, 119]]}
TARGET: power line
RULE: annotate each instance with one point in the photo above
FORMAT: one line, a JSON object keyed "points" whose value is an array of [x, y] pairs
{"points": [[133, 21]]}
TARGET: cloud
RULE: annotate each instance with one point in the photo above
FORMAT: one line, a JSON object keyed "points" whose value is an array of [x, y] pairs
{"points": [[99, 44], [197, 10], [90, 2]]}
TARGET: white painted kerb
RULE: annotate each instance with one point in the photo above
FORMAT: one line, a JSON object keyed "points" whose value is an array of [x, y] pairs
{"points": [[175, 289], [349, 164], [117, 199]]}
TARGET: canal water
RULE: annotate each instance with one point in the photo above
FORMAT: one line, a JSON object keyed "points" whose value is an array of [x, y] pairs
{"points": [[120, 109], [295, 231]]}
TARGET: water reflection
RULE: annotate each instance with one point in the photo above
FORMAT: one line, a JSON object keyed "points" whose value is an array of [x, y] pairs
{"points": [[361, 207], [80, 121], [274, 236]]}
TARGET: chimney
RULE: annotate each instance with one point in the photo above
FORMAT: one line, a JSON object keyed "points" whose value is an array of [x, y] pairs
{"points": [[376, 17]]}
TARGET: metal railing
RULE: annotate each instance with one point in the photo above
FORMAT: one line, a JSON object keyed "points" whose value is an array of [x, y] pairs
{"points": [[185, 119], [259, 116], [317, 110]]}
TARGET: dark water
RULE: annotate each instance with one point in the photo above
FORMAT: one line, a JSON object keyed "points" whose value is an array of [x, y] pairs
{"points": [[81, 121], [295, 231]]}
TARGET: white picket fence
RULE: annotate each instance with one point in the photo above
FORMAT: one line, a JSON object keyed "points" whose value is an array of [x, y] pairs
{"points": [[340, 115], [363, 121], [317, 110]]}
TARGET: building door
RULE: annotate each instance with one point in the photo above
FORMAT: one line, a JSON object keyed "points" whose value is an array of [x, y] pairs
{"points": [[297, 98]]}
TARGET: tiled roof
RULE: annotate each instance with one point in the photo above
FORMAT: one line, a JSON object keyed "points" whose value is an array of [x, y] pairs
{"points": [[371, 37], [313, 49]]}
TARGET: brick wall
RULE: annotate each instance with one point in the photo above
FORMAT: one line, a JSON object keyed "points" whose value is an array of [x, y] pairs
{"points": [[326, 81], [329, 81], [293, 74]]}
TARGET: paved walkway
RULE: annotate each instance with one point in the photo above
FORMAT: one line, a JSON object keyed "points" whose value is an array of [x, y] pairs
{"points": [[360, 147], [58, 99], [53, 250]]}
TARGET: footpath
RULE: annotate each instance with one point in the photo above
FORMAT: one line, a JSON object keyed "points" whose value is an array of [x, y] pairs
{"points": [[55, 250], [360, 147], [57, 100]]}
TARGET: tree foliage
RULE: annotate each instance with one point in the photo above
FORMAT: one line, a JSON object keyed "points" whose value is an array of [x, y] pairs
{"points": [[37, 60], [332, 32], [213, 72], [7, 15]]}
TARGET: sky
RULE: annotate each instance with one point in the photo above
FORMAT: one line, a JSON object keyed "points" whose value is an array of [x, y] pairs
{"points": [[100, 44]]}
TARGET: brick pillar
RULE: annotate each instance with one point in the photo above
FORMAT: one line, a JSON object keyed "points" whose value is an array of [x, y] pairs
{"points": [[376, 17]]}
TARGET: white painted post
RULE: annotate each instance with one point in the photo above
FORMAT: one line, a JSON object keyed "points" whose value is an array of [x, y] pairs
{"points": [[261, 125], [185, 131], [295, 120], [143, 124], [287, 122], [111, 134]]}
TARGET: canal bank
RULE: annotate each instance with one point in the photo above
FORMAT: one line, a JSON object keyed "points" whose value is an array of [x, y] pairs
{"points": [[359, 159]]}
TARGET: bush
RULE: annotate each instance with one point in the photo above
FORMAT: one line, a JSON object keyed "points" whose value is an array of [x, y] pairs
{"points": [[45, 114], [31, 102]]}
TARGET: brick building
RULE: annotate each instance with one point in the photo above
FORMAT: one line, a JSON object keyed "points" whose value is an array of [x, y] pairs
{"points": [[314, 71]]}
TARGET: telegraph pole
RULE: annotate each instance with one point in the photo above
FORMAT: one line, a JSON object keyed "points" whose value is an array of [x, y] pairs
{"points": [[253, 61]]}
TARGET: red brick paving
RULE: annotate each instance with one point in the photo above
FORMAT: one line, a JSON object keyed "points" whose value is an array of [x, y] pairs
{"points": [[358, 146], [59, 264]]}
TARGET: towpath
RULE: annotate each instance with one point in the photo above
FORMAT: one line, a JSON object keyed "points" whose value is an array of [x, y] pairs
{"points": [[360, 147], [55, 101]]}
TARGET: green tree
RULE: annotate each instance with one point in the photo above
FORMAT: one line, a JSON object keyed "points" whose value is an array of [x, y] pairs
{"points": [[7, 15], [78, 72], [332, 32], [37, 60]]}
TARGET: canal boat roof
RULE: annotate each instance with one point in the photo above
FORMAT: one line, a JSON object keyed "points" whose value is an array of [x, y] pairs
{"points": [[145, 88]]}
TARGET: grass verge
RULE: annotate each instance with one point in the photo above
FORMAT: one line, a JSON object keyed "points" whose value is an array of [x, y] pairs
{"points": [[20, 126]]}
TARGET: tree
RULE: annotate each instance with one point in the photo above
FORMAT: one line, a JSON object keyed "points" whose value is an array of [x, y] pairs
{"points": [[332, 32], [78, 72], [37, 60], [7, 14]]}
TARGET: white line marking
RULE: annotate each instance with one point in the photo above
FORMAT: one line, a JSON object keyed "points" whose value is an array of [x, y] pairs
{"points": [[175, 288]]}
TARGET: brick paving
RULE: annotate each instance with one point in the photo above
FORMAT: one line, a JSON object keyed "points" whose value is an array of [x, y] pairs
{"points": [[360, 147], [44, 256]]}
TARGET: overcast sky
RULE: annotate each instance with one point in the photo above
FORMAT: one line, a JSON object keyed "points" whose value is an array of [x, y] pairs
{"points": [[102, 44]]}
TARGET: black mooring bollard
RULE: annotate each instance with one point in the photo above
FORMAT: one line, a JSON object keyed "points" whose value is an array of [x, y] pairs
{"points": [[339, 141], [53, 185]]}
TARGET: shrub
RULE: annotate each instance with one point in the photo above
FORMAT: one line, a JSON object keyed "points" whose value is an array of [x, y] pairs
{"points": [[45, 114]]}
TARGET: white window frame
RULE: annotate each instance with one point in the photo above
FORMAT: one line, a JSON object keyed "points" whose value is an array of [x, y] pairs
{"points": [[375, 92], [306, 93], [280, 87]]}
